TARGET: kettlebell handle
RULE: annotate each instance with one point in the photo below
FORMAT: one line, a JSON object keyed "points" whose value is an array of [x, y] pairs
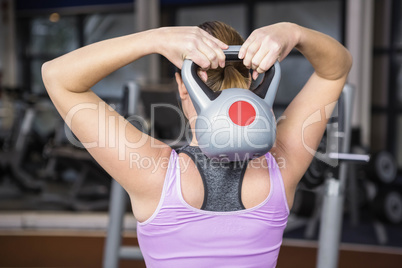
{"points": [[202, 95]]}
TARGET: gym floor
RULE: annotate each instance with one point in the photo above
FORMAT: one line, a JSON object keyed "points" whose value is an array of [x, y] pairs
{"points": [[85, 250]]}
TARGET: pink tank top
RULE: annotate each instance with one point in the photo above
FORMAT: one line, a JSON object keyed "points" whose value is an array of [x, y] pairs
{"points": [[179, 235]]}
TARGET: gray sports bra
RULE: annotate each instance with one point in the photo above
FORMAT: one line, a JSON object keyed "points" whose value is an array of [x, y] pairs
{"points": [[222, 180]]}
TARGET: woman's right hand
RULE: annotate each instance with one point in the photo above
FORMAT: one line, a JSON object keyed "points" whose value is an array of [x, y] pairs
{"points": [[180, 43]]}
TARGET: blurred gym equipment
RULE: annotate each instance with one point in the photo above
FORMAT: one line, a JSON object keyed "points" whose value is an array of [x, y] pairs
{"points": [[21, 111]]}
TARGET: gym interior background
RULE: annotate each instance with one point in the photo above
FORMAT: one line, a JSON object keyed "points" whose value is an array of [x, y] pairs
{"points": [[54, 200]]}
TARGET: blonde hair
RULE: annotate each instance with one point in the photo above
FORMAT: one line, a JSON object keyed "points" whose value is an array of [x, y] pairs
{"points": [[234, 74]]}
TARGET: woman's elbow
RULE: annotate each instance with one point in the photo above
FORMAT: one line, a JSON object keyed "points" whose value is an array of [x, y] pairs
{"points": [[51, 76], [348, 61], [47, 75], [344, 66]]}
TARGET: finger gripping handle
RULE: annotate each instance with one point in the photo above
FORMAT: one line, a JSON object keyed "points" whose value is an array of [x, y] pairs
{"points": [[232, 53]]}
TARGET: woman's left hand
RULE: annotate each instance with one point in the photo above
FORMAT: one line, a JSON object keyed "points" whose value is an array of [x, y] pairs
{"points": [[267, 44]]}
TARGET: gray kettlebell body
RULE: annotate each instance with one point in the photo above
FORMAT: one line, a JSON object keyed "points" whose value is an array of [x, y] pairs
{"points": [[235, 123]]}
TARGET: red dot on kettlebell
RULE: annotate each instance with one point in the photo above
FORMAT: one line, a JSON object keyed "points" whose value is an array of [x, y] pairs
{"points": [[242, 113]]}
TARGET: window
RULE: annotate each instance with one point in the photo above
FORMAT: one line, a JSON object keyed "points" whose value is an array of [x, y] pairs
{"points": [[44, 38], [387, 78], [48, 40]]}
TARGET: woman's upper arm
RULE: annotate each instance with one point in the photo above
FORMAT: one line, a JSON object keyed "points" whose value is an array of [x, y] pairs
{"points": [[303, 124], [131, 157], [134, 159]]}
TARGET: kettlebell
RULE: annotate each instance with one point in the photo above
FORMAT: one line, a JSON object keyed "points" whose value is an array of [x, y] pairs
{"points": [[236, 124]]}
